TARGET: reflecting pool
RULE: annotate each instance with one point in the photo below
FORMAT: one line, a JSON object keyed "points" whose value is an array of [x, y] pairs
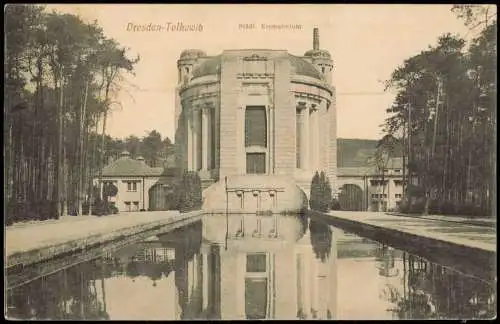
{"points": [[255, 267]]}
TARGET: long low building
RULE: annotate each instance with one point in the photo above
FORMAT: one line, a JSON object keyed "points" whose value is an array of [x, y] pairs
{"points": [[358, 184], [361, 185]]}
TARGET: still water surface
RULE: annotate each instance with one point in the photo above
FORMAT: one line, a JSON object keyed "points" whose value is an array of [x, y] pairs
{"points": [[274, 267]]}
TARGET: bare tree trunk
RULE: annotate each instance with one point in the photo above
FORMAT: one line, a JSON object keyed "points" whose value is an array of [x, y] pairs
{"points": [[81, 177], [492, 192], [103, 155], [444, 188], [92, 167], [59, 164], [410, 159]]}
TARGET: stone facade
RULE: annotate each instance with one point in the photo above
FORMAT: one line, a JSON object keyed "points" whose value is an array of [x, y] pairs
{"points": [[295, 94], [134, 181], [372, 191]]}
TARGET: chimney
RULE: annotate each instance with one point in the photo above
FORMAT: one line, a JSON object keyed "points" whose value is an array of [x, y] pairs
{"points": [[315, 39]]}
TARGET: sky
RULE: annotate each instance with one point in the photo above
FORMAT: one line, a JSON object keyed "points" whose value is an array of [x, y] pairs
{"points": [[367, 43]]}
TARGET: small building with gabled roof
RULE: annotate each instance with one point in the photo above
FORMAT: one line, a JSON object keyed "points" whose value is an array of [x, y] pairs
{"points": [[137, 183]]}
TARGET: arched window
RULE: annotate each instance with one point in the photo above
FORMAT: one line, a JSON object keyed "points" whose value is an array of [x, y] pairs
{"points": [[323, 69], [187, 69]]}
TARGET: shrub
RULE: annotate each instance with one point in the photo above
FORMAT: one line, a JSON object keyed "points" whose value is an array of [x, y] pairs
{"points": [[110, 190], [434, 206], [190, 194], [97, 207], [321, 193], [403, 206], [102, 208], [85, 208], [335, 204], [447, 207], [418, 206]]}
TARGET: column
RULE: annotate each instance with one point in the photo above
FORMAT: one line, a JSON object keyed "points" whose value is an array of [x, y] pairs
{"points": [[205, 139], [205, 275], [314, 150], [306, 277], [190, 281], [314, 287], [269, 161], [189, 130], [304, 139], [210, 149], [196, 142], [311, 139], [195, 287], [318, 132], [240, 136]]}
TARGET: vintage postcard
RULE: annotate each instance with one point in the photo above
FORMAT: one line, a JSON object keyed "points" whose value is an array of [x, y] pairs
{"points": [[226, 162]]}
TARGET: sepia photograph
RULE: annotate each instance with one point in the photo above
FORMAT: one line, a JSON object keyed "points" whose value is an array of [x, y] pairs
{"points": [[250, 162]]}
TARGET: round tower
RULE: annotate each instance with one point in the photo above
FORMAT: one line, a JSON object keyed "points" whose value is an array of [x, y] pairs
{"points": [[186, 64], [321, 59]]}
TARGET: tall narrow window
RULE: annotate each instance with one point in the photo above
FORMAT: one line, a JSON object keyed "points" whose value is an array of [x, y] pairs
{"points": [[255, 126], [256, 286]]}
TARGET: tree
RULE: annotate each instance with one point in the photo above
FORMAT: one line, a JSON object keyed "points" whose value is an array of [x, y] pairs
{"points": [[112, 60], [475, 16], [314, 194], [447, 115], [321, 193], [52, 108], [151, 147], [190, 193], [133, 145]]}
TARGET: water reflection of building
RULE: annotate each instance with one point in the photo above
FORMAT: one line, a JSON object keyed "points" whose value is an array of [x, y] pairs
{"points": [[274, 267], [268, 271]]}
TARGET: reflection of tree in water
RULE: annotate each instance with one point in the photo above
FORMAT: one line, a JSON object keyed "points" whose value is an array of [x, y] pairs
{"points": [[302, 217], [432, 291], [68, 294], [78, 292], [321, 239]]}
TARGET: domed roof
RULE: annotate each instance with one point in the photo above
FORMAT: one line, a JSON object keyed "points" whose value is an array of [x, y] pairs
{"points": [[300, 66], [209, 67], [318, 53], [192, 53]]}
